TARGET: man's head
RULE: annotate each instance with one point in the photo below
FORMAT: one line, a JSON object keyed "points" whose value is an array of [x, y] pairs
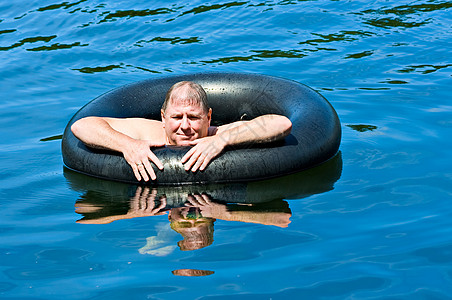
{"points": [[185, 113]]}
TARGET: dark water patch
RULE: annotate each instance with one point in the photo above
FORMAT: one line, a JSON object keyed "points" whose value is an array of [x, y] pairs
{"points": [[29, 40], [57, 46], [395, 82], [148, 70], [362, 127], [230, 59], [346, 35], [430, 68], [373, 89], [88, 10], [399, 44], [260, 55], [404, 10], [52, 138], [64, 5], [394, 23], [440, 255], [92, 70], [360, 54], [279, 3], [7, 31], [278, 53], [173, 41], [321, 49], [207, 8], [128, 14]]}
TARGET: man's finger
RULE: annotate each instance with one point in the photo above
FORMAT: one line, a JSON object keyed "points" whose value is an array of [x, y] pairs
{"points": [[206, 198], [188, 155], [149, 169], [201, 200], [155, 160], [192, 200], [134, 203], [162, 203], [136, 172], [198, 162], [143, 173], [142, 202], [191, 161], [205, 162], [195, 142]]}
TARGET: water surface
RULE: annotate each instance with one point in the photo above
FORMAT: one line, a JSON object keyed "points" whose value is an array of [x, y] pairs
{"points": [[375, 224]]}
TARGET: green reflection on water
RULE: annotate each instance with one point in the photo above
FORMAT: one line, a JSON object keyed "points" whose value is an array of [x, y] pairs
{"points": [[29, 40], [57, 46], [362, 127]]}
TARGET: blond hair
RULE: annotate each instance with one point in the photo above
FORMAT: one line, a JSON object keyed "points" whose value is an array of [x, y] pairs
{"points": [[191, 92]]}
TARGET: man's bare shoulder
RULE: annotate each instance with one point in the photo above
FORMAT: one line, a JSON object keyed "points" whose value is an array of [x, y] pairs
{"points": [[139, 128]]}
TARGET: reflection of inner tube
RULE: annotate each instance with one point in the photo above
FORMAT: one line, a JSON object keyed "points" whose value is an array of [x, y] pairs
{"points": [[114, 197], [315, 135]]}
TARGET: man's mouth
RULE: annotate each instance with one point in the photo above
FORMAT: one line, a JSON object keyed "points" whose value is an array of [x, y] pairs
{"points": [[185, 137]]}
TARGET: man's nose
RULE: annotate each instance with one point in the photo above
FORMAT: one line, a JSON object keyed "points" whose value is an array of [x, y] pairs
{"points": [[185, 123]]}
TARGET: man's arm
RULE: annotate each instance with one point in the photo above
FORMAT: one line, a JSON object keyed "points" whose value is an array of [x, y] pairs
{"points": [[266, 128], [122, 135]]}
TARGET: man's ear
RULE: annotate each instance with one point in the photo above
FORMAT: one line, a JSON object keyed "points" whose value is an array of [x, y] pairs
{"points": [[209, 115], [162, 115]]}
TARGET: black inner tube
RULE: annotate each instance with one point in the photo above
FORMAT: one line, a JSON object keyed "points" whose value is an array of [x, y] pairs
{"points": [[315, 136]]}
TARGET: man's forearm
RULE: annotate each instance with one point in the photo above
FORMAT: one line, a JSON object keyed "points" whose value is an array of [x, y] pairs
{"points": [[97, 133], [267, 128]]}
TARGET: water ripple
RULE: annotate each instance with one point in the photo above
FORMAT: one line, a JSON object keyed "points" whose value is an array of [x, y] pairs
{"points": [[64, 5], [208, 8], [394, 23], [57, 46], [417, 9], [424, 69], [174, 40], [128, 14], [29, 40]]}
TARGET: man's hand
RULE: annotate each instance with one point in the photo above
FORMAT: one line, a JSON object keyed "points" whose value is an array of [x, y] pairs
{"points": [[138, 155], [204, 150], [207, 207], [143, 203]]}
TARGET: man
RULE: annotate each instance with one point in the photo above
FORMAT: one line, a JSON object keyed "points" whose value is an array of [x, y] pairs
{"points": [[185, 121]]}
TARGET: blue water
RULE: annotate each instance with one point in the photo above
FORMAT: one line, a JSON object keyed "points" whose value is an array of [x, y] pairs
{"points": [[379, 226]]}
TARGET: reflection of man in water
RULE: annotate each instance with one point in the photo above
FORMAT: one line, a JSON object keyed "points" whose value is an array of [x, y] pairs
{"points": [[194, 221], [185, 121], [196, 229]]}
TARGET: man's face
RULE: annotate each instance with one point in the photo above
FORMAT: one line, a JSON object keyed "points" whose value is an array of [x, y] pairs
{"points": [[185, 121]]}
